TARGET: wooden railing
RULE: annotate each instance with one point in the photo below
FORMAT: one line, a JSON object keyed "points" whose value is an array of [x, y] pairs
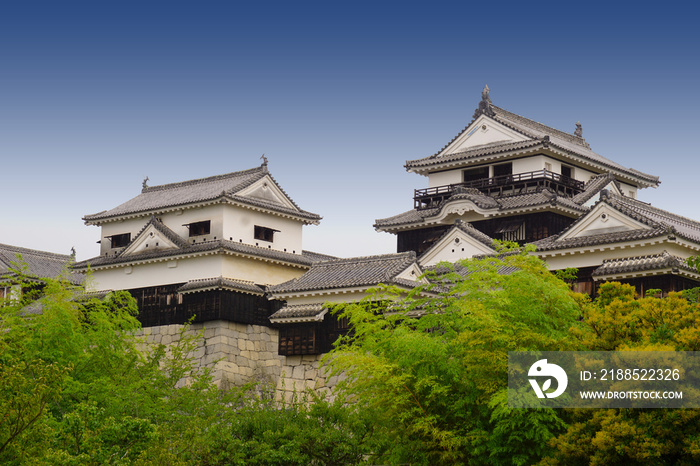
{"points": [[500, 185]]}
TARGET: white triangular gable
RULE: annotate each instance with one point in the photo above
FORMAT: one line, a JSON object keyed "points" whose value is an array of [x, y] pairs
{"points": [[150, 239], [483, 131], [611, 187], [412, 272], [267, 190], [601, 220], [454, 246]]}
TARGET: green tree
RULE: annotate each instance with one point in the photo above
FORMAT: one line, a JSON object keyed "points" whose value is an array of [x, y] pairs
{"points": [[83, 388], [615, 320], [79, 388], [437, 384]]}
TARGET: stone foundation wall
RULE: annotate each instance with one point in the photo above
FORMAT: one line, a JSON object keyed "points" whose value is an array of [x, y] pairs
{"points": [[240, 353]]}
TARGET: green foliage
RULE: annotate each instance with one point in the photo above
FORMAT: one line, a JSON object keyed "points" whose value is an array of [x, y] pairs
{"points": [[436, 384], [424, 380], [300, 432], [618, 321], [78, 388]]}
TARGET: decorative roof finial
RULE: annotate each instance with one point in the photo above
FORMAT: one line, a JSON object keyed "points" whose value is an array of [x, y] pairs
{"points": [[72, 252], [579, 130], [485, 104], [145, 183], [264, 159]]}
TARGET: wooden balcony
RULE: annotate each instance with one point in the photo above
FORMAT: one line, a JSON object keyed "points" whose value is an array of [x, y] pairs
{"points": [[501, 186]]}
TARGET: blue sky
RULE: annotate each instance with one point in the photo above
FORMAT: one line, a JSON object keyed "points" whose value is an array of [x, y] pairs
{"points": [[95, 96]]}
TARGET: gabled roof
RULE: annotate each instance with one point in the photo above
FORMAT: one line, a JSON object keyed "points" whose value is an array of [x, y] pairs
{"points": [[40, 264], [662, 262], [158, 231], [537, 137], [224, 188], [482, 243], [658, 222], [352, 273]]}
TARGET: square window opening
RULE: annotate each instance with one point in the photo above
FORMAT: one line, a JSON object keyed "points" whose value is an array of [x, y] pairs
{"points": [[121, 240], [264, 233], [199, 228]]}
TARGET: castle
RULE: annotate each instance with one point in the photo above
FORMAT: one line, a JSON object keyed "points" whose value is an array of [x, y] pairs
{"points": [[227, 252]]}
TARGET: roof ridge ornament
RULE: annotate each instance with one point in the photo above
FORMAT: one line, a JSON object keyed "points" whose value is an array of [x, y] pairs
{"points": [[264, 164], [579, 130], [144, 184], [485, 106]]}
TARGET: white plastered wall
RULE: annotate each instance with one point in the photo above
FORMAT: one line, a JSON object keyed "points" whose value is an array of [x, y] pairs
{"points": [[227, 222], [445, 178], [521, 165], [260, 272], [192, 268], [239, 226], [157, 273], [628, 190]]}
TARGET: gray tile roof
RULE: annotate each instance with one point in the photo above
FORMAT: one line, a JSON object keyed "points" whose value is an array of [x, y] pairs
{"points": [[553, 243], [546, 196], [411, 217], [305, 259], [594, 186], [474, 152], [299, 313], [40, 264], [661, 261], [464, 270], [221, 283], [646, 213], [349, 273], [157, 198], [661, 223], [541, 136], [501, 205]]}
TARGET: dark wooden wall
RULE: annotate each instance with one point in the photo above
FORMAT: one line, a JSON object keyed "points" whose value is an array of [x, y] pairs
{"points": [[163, 305]]}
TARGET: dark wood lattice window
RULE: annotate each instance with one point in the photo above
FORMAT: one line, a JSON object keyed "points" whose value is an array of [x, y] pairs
{"points": [[503, 169], [200, 228], [298, 339], [121, 240], [567, 171], [474, 174], [264, 233]]}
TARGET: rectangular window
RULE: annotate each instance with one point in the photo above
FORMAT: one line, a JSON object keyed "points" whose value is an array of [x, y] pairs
{"points": [[119, 241], [473, 174], [264, 233], [503, 169], [199, 228], [567, 171]]}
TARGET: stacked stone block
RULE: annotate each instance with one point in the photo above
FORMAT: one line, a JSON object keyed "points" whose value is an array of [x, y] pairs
{"points": [[240, 353]]}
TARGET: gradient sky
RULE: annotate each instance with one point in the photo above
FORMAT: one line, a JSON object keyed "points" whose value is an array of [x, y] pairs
{"points": [[95, 96]]}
